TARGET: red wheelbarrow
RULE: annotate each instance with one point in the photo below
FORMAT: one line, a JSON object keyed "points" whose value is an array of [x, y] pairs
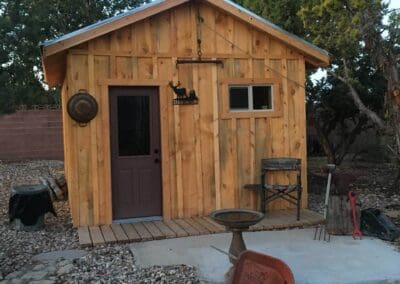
{"points": [[256, 268]]}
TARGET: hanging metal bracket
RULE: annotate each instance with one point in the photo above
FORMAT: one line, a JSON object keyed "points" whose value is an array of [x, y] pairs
{"points": [[199, 61]]}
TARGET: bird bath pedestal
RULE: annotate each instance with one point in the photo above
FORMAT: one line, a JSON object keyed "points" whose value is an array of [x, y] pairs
{"points": [[236, 221]]}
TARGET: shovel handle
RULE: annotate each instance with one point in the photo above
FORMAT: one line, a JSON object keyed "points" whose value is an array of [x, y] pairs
{"points": [[356, 230]]}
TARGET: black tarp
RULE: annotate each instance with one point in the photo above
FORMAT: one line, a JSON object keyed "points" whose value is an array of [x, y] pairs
{"points": [[376, 224]]}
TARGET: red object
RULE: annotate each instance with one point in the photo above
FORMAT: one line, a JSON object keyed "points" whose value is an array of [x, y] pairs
{"points": [[356, 230], [256, 268]]}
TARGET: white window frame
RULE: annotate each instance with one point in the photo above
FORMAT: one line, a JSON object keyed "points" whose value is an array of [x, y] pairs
{"points": [[250, 97]]}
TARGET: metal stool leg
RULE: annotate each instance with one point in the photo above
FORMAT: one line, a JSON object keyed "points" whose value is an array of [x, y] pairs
{"points": [[262, 193], [298, 203]]}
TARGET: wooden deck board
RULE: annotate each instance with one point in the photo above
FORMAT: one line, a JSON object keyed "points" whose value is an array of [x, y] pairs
{"points": [[167, 231], [220, 227], [84, 237], [142, 231], [119, 233], [187, 227], [154, 231], [198, 226], [96, 235], [145, 231], [178, 230], [108, 234], [131, 233], [211, 227]]}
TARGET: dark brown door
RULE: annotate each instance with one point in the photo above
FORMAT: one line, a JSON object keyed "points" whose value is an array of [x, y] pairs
{"points": [[135, 152]]}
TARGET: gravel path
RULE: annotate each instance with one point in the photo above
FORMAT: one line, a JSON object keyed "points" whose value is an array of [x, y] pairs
{"points": [[115, 263]]}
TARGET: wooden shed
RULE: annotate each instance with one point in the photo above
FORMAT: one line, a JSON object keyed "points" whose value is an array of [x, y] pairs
{"points": [[148, 153]]}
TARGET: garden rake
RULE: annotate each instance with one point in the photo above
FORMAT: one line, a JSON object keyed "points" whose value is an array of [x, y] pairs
{"points": [[321, 229]]}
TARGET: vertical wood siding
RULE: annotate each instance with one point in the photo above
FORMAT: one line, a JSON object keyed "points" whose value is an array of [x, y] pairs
{"points": [[207, 157]]}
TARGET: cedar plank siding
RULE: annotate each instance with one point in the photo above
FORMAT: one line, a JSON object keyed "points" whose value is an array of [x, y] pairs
{"points": [[207, 153]]}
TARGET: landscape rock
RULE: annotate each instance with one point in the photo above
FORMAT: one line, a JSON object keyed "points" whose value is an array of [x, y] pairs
{"points": [[65, 269], [39, 267], [15, 274], [35, 275], [43, 282], [53, 256]]}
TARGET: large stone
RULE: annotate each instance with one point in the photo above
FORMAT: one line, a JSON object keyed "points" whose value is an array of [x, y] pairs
{"points": [[43, 282], [65, 269], [39, 267], [58, 254], [35, 275], [14, 274], [18, 281]]}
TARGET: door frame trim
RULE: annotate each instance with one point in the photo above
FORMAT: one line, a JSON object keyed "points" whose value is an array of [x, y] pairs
{"points": [[163, 92]]}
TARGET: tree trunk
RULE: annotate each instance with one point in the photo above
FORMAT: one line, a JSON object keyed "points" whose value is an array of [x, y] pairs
{"points": [[323, 138], [385, 58], [340, 219]]}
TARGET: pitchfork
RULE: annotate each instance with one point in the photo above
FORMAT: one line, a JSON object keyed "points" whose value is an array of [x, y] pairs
{"points": [[320, 229]]}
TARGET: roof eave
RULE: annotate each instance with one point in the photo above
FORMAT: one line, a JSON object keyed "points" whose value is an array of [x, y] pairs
{"points": [[103, 27]]}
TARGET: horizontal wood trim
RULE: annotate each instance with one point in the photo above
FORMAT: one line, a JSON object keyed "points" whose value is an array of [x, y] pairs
{"points": [[111, 26], [249, 81], [129, 82], [250, 114], [205, 56], [320, 57]]}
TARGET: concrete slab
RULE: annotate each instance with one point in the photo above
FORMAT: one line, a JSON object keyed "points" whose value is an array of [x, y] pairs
{"points": [[343, 260], [58, 254]]}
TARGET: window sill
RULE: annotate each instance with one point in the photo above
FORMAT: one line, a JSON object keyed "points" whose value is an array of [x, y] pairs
{"points": [[251, 114]]}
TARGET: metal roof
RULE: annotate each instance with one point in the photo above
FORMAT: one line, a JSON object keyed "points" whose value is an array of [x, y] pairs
{"points": [[272, 25], [145, 6], [100, 23]]}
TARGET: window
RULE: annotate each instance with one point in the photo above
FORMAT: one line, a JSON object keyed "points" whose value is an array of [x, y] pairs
{"points": [[250, 98], [134, 125]]}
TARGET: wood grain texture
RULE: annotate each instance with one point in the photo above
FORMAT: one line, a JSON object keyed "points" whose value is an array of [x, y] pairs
{"points": [[96, 235], [131, 233], [142, 231], [208, 153], [84, 237], [280, 219], [186, 225], [167, 232], [119, 233], [108, 234], [154, 231], [178, 230]]}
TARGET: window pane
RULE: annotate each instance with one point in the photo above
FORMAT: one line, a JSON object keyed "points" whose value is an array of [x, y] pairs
{"points": [[134, 125], [238, 98], [262, 97]]}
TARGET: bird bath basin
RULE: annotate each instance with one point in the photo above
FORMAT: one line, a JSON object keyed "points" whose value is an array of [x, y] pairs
{"points": [[236, 221]]}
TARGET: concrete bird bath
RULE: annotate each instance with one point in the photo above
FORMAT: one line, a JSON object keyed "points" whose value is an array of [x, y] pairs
{"points": [[236, 221]]}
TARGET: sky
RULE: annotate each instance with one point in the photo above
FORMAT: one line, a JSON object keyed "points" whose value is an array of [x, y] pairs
{"points": [[395, 4]]}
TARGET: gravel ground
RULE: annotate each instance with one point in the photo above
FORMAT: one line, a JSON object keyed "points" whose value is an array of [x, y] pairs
{"points": [[115, 263], [102, 264]]}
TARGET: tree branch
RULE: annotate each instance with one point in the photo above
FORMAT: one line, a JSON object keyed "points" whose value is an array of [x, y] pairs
{"points": [[356, 98]]}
